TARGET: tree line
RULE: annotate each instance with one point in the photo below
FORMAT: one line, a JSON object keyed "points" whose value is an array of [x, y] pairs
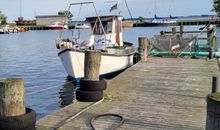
{"points": [[216, 6], [3, 18]]}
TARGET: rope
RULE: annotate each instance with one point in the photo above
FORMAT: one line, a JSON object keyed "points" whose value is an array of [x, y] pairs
{"points": [[41, 90], [79, 11], [46, 89], [103, 115], [75, 115], [128, 9]]}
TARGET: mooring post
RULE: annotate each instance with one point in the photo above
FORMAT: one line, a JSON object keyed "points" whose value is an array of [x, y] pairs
{"points": [[13, 113], [12, 97], [214, 84], [213, 111], [162, 33], [173, 30], [91, 86], [210, 37], [143, 42], [210, 34], [181, 30], [92, 65]]}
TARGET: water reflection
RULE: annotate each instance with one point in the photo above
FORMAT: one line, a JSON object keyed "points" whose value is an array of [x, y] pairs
{"points": [[67, 93]]}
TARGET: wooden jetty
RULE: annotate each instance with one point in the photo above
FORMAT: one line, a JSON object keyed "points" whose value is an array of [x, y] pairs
{"points": [[162, 93], [180, 23], [198, 22]]}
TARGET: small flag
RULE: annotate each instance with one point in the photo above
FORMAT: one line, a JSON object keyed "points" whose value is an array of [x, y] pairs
{"points": [[114, 7]]}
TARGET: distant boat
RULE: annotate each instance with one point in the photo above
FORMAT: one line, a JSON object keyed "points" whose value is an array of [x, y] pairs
{"points": [[21, 29], [82, 25], [127, 24], [170, 17], [57, 26], [160, 21], [4, 29], [21, 22], [156, 17]]}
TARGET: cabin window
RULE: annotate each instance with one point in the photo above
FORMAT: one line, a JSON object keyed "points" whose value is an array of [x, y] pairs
{"points": [[107, 25]]}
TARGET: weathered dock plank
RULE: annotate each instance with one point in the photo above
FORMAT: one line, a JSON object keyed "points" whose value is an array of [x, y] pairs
{"points": [[162, 93]]}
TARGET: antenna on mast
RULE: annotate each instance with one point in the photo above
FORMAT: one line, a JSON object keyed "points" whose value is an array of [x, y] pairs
{"points": [[20, 9], [155, 7]]}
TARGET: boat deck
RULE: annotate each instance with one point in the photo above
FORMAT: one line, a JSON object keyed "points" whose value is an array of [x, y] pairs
{"points": [[162, 93]]}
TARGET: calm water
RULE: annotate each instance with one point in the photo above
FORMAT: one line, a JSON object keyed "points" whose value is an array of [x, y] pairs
{"points": [[33, 56]]}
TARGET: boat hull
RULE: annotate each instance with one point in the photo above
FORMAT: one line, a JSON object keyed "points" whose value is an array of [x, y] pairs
{"points": [[73, 62], [150, 24], [127, 24], [56, 28]]}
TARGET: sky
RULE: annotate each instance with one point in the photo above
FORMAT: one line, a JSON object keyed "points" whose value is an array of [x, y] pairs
{"points": [[144, 8]]}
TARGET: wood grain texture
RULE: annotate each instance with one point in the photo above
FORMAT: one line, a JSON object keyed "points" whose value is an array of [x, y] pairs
{"points": [[160, 94]]}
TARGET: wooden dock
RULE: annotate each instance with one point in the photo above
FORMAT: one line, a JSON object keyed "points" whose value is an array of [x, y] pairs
{"points": [[162, 93], [198, 22]]}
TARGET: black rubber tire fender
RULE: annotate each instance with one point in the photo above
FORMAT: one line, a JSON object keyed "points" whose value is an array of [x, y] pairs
{"points": [[21, 122], [89, 85], [29, 128], [88, 96]]}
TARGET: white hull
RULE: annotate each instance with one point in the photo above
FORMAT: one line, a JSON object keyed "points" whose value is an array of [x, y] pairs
{"points": [[82, 26], [73, 62]]}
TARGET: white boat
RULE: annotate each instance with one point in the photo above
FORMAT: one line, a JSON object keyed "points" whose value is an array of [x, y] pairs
{"points": [[106, 37], [82, 25], [4, 29], [57, 26]]}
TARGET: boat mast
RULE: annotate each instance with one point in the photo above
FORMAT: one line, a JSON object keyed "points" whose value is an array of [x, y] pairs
{"points": [[20, 9], [170, 9], [155, 8], [128, 9], [99, 19]]}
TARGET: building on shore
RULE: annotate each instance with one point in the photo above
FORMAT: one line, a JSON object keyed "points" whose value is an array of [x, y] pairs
{"points": [[50, 19]]}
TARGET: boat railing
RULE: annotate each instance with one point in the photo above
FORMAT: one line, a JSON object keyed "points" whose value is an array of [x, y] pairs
{"points": [[98, 17]]}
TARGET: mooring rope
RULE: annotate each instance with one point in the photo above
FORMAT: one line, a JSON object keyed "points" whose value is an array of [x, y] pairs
{"points": [[103, 115], [75, 115], [46, 89]]}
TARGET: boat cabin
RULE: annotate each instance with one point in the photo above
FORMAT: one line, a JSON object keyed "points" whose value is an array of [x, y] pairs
{"points": [[108, 32]]}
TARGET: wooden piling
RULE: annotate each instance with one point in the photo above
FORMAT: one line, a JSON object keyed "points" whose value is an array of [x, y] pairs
{"points": [[213, 111], [181, 30], [92, 65], [215, 44], [142, 44], [211, 40], [12, 101], [173, 30], [214, 84], [210, 35]]}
